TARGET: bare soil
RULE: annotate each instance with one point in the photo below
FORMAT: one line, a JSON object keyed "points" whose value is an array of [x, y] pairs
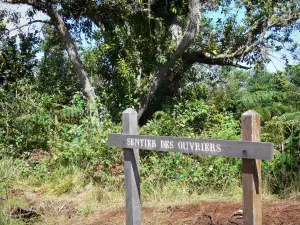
{"points": [[206, 213], [281, 212]]}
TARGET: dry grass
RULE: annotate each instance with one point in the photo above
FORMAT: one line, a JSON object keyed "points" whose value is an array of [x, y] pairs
{"points": [[177, 194], [80, 207], [73, 207], [85, 206], [67, 198]]}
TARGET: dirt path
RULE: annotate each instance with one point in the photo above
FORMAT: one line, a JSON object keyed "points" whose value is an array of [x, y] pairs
{"points": [[56, 210], [206, 213]]}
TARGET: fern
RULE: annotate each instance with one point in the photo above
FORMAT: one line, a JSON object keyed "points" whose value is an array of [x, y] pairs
{"points": [[293, 117]]}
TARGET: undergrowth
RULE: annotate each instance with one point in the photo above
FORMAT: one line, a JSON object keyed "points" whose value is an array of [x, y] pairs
{"points": [[55, 148]]}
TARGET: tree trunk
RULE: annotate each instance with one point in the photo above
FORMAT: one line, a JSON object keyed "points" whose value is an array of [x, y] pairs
{"points": [[162, 71], [71, 49]]}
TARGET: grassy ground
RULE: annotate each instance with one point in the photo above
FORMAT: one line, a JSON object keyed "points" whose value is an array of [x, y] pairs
{"points": [[67, 197]]}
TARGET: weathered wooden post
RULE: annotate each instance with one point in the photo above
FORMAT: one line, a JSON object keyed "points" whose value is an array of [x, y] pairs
{"points": [[131, 169], [251, 169], [250, 149]]}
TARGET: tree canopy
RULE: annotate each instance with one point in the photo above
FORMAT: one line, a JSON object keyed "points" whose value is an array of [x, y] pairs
{"points": [[141, 53]]}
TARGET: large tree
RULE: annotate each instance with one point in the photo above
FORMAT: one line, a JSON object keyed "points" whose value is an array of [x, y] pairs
{"points": [[154, 44]]}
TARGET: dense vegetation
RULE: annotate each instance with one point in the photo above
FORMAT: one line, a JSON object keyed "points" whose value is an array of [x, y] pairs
{"points": [[50, 129], [45, 126]]}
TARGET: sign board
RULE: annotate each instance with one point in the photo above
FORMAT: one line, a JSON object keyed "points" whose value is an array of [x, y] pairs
{"points": [[250, 150], [242, 149]]}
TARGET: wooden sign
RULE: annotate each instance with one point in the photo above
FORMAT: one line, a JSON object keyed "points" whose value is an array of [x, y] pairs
{"points": [[250, 149], [242, 149]]}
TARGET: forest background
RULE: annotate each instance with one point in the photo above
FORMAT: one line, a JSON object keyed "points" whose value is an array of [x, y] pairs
{"points": [[189, 68]]}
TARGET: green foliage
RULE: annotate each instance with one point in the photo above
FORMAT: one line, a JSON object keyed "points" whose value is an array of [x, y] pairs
{"points": [[192, 119], [25, 122], [184, 119], [282, 174], [223, 126], [8, 174], [42, 134], [55, 144], [47, 130], [55, 75], [203, 173], [17, 61]]}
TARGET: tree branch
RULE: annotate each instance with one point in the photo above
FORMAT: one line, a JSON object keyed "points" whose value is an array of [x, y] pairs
{"points": [[285, 20], [71, 49], [29, 23], [185, 42], [69, 45], [40, 5], [66, 39], [205, 58]]}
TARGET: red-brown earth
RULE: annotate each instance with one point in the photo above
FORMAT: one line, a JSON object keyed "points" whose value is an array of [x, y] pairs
{"points": [[279, 212], [207, 213]]}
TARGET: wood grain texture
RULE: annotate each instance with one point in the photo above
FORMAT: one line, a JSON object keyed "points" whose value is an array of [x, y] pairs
{"points": [[251, 172], [131, 170], [242, 149]]}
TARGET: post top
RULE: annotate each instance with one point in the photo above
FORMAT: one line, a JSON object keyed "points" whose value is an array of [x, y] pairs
{"points": [[250, 113], [129, 111]]}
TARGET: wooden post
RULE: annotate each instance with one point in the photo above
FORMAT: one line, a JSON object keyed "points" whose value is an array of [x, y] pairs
{"points": [[251, 169], [131, 169]]}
